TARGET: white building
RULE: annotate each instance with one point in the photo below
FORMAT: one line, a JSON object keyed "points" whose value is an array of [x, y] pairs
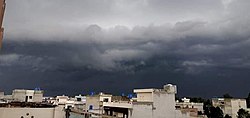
{"points": [[22, 95], [120, 106], [156, 103], [80, 102], [149, 103], [94, 103], [1, 95], [230, 106], [191, 107], [17, 111], [61, 100]]}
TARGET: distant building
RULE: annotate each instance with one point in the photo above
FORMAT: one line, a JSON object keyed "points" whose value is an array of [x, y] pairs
{"points": [[80, 102], [230, 106], [30, 110], [1, 95], [156, 103], [120, 106], [22, 95], [61, 100], [190, 107], [149, 103], [28, 104], [94, 103]]}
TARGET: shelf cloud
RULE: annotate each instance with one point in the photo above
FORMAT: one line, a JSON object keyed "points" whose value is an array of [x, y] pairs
{"points": [[142, 43]]}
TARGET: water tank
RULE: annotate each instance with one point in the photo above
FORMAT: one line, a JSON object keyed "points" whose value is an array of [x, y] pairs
{"points": [[171, 89]]}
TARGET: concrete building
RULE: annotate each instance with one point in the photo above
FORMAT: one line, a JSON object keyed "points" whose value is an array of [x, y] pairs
{"points": [[120, 106], [61, 100], [23, 95], [2, 10], [94, 103], [156, 103], [30, 110], [80, 102], [149, 103], [1, 95], [192, 108], [229, 106]]}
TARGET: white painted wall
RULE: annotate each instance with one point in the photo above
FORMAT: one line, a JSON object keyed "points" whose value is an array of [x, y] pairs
{"points": [[230, 106], [145, 97], [156, 103], [142, 110], [164, 104], [20, 95], [36, 112], [236, 105]]}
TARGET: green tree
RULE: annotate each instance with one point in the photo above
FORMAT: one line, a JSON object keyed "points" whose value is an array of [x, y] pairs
{"points": [[206, 106], [216, 112], [243, 114], [213, 112], [197, 99], [227, 116], [248, 100]]}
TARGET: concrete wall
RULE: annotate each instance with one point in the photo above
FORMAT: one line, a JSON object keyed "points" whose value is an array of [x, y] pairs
{"points": [[95, 102], [164, 105], [29, 112], [145, 97], [105, 97], [33, 96], [156, 103], [1, 95], [230, 106], [19, 95], [142, 110], [199, 106], [38, 97], [236, 105]]}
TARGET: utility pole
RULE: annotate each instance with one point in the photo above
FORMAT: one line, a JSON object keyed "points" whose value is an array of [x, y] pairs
{"points": [[2, 10]]}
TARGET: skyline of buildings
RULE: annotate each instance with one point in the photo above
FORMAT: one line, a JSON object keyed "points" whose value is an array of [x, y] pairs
{"points": [[145, 103]]}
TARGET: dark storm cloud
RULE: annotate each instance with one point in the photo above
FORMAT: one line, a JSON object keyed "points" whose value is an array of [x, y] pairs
{"points": [[96, 44]]}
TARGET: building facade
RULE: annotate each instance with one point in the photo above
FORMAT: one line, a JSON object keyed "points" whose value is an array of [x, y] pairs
{"points": [[17, 111], [23, 95], [230, 106], [156, 103], [94, 103]]}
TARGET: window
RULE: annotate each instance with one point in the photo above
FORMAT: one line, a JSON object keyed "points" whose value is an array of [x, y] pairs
{"points": [[91, 107], [30, 97], [78, 99], [105, 100]]}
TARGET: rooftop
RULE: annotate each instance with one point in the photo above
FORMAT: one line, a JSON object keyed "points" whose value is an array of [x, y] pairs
{"points": [[26, 105]]}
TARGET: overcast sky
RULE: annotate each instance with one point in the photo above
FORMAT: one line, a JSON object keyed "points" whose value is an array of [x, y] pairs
{"points": [[79, 46]]}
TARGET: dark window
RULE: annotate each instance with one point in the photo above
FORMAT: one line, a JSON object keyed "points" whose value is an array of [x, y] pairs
{"points": [[78, 99], [105, 100], [30, 97], [32, 117], [91, 107], [26, 99]]}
